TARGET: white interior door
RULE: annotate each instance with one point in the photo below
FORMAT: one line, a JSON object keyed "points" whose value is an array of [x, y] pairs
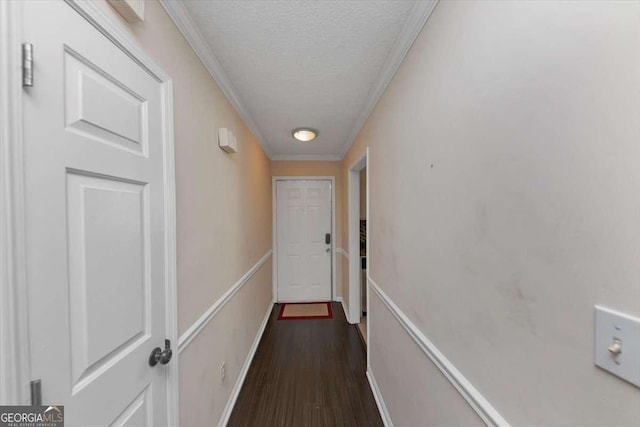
{"points": [[95, 223], [303, 215]]}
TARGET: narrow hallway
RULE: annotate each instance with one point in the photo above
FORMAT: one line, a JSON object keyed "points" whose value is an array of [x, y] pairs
{"points": [[307, 372], [177, 177]]}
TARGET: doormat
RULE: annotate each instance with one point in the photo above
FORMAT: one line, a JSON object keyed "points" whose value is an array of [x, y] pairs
{"points": [[315, 310]]}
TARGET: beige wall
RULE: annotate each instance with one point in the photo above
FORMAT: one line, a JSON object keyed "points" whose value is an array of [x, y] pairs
{"points": [[223, 220], [320, 168], [504, 205]]}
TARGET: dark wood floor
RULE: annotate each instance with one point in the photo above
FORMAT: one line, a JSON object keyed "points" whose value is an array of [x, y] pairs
{"points": [[307, 373]]}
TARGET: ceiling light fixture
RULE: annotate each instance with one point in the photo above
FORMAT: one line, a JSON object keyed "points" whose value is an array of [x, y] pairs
{"points": [[304, 134]]}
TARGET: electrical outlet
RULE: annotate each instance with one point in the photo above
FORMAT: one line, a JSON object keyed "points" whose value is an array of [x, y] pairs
{"points": [[223, 371]]}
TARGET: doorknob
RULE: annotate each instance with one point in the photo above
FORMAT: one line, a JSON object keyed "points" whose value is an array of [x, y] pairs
{"points": [[159, 355], [327, 238]]}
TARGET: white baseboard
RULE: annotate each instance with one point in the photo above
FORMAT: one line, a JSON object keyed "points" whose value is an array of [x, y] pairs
{"points": [[228, 409], [477, 401], [384, 414], [344, 307]]}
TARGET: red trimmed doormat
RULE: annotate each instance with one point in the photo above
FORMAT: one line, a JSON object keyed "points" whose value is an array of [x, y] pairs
{"points": [[312, 310]]}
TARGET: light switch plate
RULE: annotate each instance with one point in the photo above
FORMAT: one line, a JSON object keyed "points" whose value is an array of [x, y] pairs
{"points": [[611, 326]]}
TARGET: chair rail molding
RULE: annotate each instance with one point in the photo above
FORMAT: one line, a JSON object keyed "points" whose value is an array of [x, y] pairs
{"points": [[478, 403], [343, 252], [197, 326]]}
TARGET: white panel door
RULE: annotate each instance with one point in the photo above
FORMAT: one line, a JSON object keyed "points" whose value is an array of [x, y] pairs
{"points": [[303, 215], [93, 145]]}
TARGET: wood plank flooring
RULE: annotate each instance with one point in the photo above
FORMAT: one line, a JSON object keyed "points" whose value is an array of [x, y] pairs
{"points": [[307, 373]]}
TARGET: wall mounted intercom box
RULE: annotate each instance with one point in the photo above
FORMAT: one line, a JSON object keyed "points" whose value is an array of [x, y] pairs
{"points": [[227, 140]]}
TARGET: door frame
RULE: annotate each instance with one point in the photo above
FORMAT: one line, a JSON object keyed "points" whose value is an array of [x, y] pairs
{"points": [[14, 346], [355, 311], [274, 229]]}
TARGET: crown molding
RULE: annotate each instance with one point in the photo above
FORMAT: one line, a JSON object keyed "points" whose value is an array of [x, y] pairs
{"points": [[307, 158], [415, 22], [179, 15]]}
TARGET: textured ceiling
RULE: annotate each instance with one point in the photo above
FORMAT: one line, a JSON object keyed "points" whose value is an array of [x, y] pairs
{"points": [[303, 63]]}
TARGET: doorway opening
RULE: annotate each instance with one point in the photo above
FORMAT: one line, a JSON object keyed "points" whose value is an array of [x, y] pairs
{"points": [[362, 325], [358, 217]]}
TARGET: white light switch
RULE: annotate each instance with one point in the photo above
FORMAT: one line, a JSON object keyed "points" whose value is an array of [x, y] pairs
{"points": [[618, 344]]}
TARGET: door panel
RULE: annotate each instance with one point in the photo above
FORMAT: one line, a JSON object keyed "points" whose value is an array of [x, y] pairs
{"points": [[303, 217], [317, 267], [294, 271], [94, 178], [293, 229], [138, 413], [107, 271], [316, 225], [101, 108]]}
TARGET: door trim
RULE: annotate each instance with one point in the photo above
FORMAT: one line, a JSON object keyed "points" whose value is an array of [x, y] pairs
{"points": [[353, 216], [274, 230], [15, 349], [353, 240], [14, 345]]}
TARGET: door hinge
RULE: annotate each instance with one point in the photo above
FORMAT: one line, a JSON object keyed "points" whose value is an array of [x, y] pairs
{"points": [[27, 65], [36, 393]]}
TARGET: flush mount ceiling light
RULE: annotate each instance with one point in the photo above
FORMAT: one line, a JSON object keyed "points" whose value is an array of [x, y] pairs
{"points": [[304, 134]]}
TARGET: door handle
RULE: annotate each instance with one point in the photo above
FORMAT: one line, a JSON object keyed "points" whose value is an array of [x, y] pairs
{"points": [[327, 238], [161, 356]]}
